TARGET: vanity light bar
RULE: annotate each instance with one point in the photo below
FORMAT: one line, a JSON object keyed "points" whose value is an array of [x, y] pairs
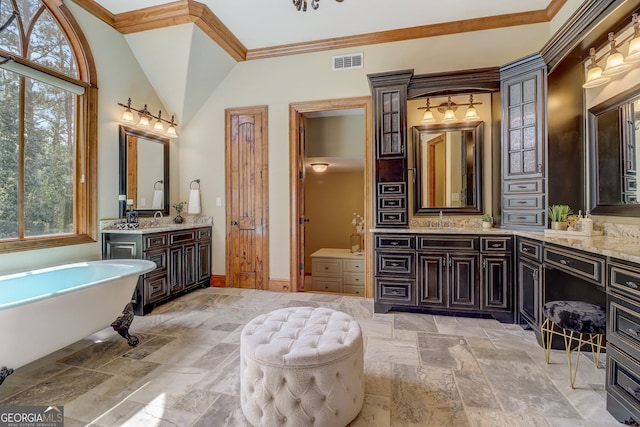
{"points": [[146, 120]]}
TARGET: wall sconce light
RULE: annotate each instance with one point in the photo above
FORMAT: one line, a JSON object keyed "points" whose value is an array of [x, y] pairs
{"points": [[634, 45], [448, 109], [615, 60], [145, 118], [428, 118], [319, 167], [594, 72]]}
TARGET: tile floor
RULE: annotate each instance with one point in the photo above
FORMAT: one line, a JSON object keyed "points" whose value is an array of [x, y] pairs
{"points": [[421, 370]]}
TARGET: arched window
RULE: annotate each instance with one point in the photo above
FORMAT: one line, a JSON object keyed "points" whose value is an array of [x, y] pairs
{"points": [[47, 128]]}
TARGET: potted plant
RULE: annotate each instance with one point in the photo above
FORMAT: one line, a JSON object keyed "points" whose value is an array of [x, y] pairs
{"points": [[558, 216], [179, 207], [487, 220]]}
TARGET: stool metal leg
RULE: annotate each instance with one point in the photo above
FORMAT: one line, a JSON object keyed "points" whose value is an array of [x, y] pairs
{"points": [[568, 343], [546, 330]]}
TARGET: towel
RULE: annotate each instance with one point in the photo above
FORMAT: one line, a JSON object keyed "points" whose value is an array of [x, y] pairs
{"points": [[194, 201], [157, 199]]}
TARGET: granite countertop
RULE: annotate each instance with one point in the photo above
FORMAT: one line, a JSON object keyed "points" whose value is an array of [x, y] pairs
{"points": [[165, 224], [617, 247]]}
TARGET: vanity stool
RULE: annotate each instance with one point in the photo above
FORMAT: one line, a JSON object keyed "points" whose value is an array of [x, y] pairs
{"points": [[301, 366], [580, 324]]}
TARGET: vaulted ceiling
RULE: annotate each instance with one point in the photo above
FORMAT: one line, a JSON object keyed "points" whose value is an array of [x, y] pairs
{"points": [[254, 29]]}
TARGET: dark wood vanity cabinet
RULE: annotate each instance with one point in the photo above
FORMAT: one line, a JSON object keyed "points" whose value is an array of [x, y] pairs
{"points": [[461, 274], [529, 278], [183, 260], [623, 340], [523, 93], [389, 92]]}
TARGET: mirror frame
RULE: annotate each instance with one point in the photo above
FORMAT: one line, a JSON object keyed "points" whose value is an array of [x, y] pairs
{"points": [[477, 128], [122, 188], [618, 102]]}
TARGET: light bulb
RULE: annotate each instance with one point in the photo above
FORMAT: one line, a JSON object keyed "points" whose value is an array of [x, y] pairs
{"points": [[158, 127], [634, 50], [144, 122], [127, 116], [171, 132], [615, 61], [594, 72], [319, 167]]}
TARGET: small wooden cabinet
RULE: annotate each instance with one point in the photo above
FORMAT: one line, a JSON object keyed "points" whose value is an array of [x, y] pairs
{"points": [[182, 257], [337, 270], [529, 278]]}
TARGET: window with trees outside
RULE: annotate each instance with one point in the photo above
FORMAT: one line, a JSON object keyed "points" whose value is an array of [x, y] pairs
{"points": [[47, 128]]}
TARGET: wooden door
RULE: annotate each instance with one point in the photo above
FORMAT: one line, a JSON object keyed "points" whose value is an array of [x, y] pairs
{"points": [[247, 198]]}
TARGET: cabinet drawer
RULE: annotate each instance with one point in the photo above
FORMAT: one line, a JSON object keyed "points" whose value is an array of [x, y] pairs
{"points": [[624, 279], [326, 267], [524, 202], [576, 263], [327, 284], [153, 241], [623, 325], [353, 289], [395, 202], [623, 377], [353, 279], [524, 186], [392, 217], [203, 234], [530, 249], [353, 265], [496, 244], [158, 256], [156, 287], [523, 218], [392, 188], [446, 243], [395, 264], [395, 291], [383, 241], [182, 237]]}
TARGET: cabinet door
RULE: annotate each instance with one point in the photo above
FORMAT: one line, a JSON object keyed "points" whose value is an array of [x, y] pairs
{"points": [[432, 279], [463, 281], [391, 102], [190, 265], [121, 250], [496, 282], [204, 261], [176, 271], [529, 277], [523, 103]]}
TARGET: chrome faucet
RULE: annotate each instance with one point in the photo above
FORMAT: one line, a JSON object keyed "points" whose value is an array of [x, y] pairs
{"points": [[440, 219], [155, 217]]}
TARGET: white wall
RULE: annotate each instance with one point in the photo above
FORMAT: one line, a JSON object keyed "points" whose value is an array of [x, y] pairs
{"points": [[277, 82], [119, 77]]}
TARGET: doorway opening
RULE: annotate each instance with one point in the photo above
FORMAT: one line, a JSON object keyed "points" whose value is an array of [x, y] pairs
{"points": [[336, 133]]}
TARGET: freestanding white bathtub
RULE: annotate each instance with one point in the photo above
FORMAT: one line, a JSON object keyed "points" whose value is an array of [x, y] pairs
{"points": [[44, 310]]}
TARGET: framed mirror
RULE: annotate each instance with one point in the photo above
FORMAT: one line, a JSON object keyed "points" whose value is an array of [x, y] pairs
{"points": [[448, 168], [614, 129], [144, 172]]}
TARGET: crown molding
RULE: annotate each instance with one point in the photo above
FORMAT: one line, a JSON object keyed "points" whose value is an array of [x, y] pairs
{"points": [[190, 11]]}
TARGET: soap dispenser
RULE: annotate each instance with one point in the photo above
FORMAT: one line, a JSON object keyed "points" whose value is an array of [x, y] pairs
{"points": [[586, 224]]}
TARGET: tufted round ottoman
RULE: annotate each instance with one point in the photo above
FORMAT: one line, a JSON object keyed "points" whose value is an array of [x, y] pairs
{"points": [[301, 366]]}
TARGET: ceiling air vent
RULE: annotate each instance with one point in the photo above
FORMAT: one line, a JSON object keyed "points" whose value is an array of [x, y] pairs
{"points": [[347, 62]]}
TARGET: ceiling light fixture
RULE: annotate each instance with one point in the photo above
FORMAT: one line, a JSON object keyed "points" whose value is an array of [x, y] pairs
{"points": [[302, 4], [145, 118], [594, 72], [615, 60], [319, 167]]}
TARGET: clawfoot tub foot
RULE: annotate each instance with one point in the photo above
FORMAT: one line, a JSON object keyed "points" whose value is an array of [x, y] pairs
{"points": [[4, 373], [122, 323]]}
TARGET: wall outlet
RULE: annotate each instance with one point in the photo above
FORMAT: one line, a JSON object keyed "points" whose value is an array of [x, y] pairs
{"points": [[218, 201]]}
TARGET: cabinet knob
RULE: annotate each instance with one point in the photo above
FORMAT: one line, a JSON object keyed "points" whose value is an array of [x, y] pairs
{"points": [[632, 285], [393, 243], [564, 262], [521, 202], [496, 245], [633, 331], [525, 249]]}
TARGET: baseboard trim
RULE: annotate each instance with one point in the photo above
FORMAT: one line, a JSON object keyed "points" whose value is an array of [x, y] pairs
{"points": [[218, 281], [280, 285]]}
